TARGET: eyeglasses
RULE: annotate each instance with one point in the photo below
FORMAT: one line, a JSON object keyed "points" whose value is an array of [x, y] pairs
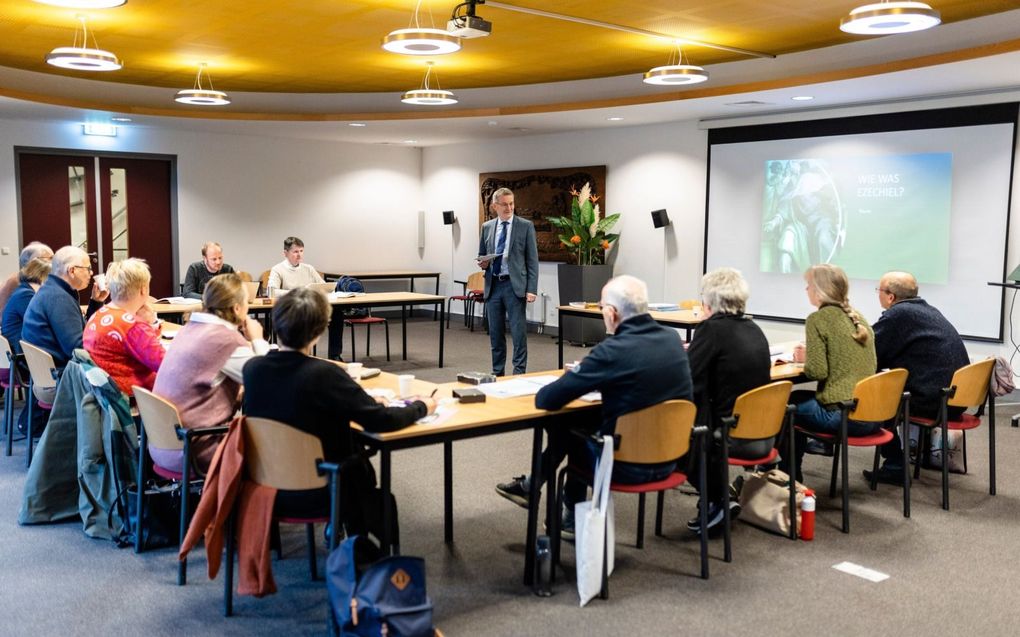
{"points": [[883, 290], [603, 306], [82, 267]]}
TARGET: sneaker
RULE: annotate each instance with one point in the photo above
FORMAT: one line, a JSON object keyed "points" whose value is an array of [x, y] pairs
{"points": [[567, 526], [517, 491], [736, 487], [819, 448], [886, 475], [715, 516]]}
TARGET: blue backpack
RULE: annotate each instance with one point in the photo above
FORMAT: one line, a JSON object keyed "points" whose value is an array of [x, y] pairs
{"points": [[351, 284], [388, 598]]}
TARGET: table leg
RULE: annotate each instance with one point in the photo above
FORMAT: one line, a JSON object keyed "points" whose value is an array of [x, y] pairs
{"points": [[384, 485], [560, 338], [403, 325], [437, 292], [442, 332], [448, 491], [533, 497]]}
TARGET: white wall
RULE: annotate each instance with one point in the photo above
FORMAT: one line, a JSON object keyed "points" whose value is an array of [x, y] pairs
{"points": [[648, 168], [355, 206]]}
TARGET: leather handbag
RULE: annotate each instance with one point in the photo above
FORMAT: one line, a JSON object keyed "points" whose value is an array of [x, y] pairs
{"points": [[765, 501]]}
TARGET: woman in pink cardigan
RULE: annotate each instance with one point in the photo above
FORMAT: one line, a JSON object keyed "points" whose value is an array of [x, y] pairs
{"points": [[201, 374]]}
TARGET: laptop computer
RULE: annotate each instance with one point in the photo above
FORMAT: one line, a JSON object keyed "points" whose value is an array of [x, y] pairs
{"points": [[325, 288]]}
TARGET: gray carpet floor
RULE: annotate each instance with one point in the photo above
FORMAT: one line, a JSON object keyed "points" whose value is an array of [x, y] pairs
{"points": [[951, 573]]}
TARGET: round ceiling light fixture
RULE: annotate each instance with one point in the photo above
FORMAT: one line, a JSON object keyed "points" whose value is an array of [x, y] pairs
{"points": [[199, 96], [80, 57], [883, 18], [675, 75], [427, 96], [84, 4], [420, 41]]}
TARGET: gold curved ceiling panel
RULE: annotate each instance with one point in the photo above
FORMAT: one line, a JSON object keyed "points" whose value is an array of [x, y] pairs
{"points": [[333, 46]]}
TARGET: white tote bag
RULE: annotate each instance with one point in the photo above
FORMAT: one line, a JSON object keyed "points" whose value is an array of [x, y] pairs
{"points": [[593, 528]]}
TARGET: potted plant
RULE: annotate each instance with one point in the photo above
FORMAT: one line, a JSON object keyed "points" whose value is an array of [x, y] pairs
{"points": [[586, 235]]}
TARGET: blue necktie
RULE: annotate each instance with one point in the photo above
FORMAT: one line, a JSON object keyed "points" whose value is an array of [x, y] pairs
{"points": [[497, 263]]}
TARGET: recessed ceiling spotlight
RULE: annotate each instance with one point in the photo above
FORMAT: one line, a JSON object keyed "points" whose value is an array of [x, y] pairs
{"points": [[882, 18], [84, 4], [802, 98], [121, 119], [199, 96], [80, 57], [614, 119], [357, 125], [410, 141]]}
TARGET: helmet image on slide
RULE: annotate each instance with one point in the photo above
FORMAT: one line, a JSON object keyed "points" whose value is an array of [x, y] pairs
{"points": [[802, 222]]}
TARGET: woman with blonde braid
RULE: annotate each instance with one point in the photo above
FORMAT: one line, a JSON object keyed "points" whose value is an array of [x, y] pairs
{"points": [[840, 351]]}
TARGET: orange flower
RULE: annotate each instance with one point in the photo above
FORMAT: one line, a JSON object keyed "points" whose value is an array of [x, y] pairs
{"points": [[576, 240], [605, 245]]}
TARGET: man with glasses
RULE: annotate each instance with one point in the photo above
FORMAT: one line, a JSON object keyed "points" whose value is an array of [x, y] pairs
{"points": [[916, 336], [641, 364], [511, 279], [53, 320]]}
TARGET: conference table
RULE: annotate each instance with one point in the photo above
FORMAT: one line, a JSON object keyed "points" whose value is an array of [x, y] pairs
{"points": [[685, 319], [492, 417], [403, 300], [388, 275]]}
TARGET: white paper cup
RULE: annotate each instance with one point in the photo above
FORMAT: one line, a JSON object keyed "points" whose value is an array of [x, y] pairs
{"points": [[100, 280], [354, 370], [406, 383]]}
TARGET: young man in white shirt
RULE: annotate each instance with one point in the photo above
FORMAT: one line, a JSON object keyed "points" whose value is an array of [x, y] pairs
{"points": [[293, 273]]}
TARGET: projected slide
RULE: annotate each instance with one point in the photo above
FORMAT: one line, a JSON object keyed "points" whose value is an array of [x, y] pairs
{"points": [[855, 211]]}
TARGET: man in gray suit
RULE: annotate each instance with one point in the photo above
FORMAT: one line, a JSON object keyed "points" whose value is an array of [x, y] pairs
{"points": [[511, 279]]}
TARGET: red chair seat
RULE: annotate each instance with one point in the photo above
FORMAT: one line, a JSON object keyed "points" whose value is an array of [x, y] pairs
{"points": [[966, 421], [872, 440], [163, 472], [364, 320], [46, 406], [743, 462], [673, 480], [316, 520]]}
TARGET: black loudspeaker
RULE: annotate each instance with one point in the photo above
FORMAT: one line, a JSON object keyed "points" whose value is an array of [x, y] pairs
{"points": [[448, 217], [660, 218]]}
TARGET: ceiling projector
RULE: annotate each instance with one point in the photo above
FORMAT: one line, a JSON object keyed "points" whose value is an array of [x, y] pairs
{"points": [[469, 26]]}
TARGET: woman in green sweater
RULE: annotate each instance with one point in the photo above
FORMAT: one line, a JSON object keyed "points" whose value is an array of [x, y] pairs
{"points": [[840, 352]]}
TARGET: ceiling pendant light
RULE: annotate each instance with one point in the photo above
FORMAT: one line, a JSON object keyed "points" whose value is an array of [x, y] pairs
{"points": [[79, 57], [417, 40], [676, 73], [84, 4], [887, 17], [427, 96], [199, 96]]}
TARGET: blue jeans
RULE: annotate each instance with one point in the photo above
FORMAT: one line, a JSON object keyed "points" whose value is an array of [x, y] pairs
{"points": [[502, 305], [813, 416]]}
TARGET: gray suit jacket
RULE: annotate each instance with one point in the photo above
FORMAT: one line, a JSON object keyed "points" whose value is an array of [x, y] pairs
{"points": [[522, 256]]}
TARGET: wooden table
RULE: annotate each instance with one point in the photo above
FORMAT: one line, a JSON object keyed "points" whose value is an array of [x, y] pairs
{"points": [[682, 318], [495, 416], [411, 275], [403, 300]]}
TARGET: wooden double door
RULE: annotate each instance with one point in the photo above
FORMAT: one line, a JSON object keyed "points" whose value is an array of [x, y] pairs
{"points": [[112, 206]]}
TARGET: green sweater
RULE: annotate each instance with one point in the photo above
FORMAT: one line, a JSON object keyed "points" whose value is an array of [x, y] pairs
{"points": [[834, 358]]}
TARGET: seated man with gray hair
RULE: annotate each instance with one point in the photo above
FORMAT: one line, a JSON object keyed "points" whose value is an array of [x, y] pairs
{"points": [[641, 364]]}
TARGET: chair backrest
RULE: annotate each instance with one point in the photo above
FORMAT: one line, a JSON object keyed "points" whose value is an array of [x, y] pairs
{"points": [[245, 276], [971, 383], [41, 367], [476, 281], [760, 411], [878, 396], [253, 289], [6, 353], [264, 280], [655, 434], [281, 456], [159, 418]]}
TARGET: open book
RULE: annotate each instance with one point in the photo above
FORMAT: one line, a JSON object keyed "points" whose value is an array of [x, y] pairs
{"points": [[179, 300]]}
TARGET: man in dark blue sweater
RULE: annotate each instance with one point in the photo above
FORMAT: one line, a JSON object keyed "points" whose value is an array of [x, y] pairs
{"points": [[916, 336], [641, 364], [53, 320]]}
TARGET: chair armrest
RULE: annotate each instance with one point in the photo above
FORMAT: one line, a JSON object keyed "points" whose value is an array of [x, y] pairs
{"points": [[199, 432], [730, 422]]}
